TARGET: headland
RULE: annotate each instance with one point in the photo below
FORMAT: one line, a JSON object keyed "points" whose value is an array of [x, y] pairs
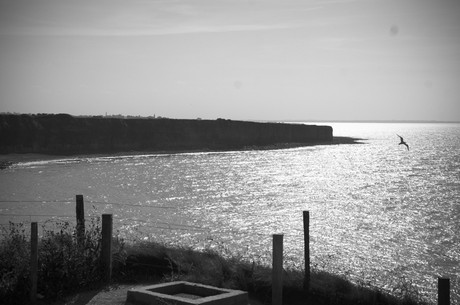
{"points": [[63, 134]]}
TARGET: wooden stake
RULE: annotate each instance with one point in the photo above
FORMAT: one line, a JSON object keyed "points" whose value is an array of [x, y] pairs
{"points": [[33, 262], [306, 234], [106, 253], [443, 291], [80, 211], [277, 273]]}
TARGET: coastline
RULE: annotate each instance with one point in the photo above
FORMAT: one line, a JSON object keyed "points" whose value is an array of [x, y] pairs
{"points": [[7, 160], [63, 134]]}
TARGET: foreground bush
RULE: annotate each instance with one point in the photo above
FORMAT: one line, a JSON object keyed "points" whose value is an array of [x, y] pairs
{"points": [[14, 265], [65, 264]]}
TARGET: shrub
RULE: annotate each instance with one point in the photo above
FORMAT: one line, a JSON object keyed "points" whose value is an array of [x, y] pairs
{"points": [[14, 266], [66, 263]]}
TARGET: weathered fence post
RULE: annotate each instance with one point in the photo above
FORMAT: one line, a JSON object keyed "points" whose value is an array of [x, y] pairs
{"points": [[306, 234], [443, 291], [106, 253], [277, 271], [33, 262], [80, 211]]}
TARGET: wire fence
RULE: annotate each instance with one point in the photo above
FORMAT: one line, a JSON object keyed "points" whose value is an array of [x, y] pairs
{"points": [[189, 233], [132, 229], [248, 242], [134, 222], [124, 221]]}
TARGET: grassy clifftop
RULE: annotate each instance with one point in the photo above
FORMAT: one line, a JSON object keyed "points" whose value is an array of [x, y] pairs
{"points": [[65, 134], [69, 265]]}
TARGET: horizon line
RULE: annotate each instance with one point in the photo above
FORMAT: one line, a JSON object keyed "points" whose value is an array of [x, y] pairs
{"points": [[129, 116]]}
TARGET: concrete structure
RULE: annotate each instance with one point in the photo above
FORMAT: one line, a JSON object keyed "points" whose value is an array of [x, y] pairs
{"points": [[186, 293]]}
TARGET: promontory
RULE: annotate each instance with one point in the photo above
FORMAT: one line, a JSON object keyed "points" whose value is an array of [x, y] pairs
{"points": [[66, 134]]}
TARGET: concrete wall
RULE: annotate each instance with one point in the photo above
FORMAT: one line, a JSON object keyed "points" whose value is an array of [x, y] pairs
{"points": [[65, 134]]}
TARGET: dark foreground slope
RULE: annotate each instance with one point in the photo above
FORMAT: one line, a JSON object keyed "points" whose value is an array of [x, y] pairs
{"points": [[65, 134]]}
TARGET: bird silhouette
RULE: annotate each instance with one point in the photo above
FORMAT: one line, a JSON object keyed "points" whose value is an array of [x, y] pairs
{"points": [[403, 142]]}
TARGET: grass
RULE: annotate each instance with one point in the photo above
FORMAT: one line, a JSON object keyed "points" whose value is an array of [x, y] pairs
{"points": [[210, 267], [67, 266]]}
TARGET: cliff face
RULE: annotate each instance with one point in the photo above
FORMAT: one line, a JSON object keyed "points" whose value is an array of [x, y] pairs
{"points": [[65, 134]]}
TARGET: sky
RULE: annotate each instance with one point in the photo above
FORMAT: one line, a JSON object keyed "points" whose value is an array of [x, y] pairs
{"points": [[234, 59]]}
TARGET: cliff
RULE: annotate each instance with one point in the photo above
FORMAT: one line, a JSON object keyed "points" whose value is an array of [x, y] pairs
{"points": [[65, 134]]}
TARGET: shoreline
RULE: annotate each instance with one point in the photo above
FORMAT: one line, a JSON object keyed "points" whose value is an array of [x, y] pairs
{"points": [[7, 160]]}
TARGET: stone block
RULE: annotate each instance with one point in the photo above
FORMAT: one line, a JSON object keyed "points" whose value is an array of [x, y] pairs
{"points": [[186, 293]]}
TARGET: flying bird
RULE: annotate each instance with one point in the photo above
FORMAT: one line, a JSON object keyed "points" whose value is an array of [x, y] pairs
{"points": [[402, 141]]}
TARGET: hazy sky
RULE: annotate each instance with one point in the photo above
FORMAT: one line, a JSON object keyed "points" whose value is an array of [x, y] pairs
{"points": [[236, 59]]}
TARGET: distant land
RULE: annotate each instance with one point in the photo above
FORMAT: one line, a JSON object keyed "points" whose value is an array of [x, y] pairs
{"points": [[373, 121], [64, 134], [309, 120]]}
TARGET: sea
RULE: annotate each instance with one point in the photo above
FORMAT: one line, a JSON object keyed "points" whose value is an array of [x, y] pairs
{"points": [[381, 215]]}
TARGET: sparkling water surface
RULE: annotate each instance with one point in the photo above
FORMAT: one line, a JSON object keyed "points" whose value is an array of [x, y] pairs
{"points": [[379, 213]]}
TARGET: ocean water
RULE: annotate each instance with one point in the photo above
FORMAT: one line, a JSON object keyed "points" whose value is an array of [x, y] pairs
{"points": [[380, 214]]}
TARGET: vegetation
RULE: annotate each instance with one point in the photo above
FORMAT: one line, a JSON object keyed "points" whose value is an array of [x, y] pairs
{"points": [[65, 264], [68, 265]]}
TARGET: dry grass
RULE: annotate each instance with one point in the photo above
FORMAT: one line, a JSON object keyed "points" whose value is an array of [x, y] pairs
{"points": [[66, 267], [234, 272]]}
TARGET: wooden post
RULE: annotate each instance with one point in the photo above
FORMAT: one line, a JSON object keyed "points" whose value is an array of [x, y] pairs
{"points": [[443, 291], [306, 234], [106, 252], [277, 272], [33, 262], [80, 211]]}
